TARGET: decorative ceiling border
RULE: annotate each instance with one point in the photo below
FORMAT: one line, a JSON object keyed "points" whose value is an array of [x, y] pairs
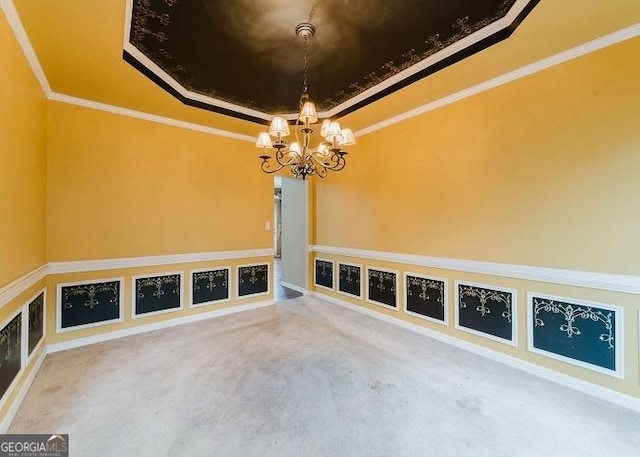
{"points": [[611, 39], [625, 34], [469, 45], [146, 66], [465, 47]]}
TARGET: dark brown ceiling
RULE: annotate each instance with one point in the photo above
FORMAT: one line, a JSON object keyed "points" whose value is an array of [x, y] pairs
{"points": [[246, 53]]}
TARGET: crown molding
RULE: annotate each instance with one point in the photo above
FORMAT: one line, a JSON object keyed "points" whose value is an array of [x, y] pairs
{"points": [[557, 59], [147, 117], [21, 35], [23, 40], [602, 281]]}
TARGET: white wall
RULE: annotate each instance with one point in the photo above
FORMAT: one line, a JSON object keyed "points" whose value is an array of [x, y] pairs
{"points": [[295, 229]]}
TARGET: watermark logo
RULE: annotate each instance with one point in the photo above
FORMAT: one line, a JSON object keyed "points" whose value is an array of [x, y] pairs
{"points": [[34, 445]]}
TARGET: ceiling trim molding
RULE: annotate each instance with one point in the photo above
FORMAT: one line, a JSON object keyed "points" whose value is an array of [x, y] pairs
{"points": [[189, 98], [13, 18], [20, 33], [149, 68], [557, 59], [493, 33], [469, 45], [148, 117]]}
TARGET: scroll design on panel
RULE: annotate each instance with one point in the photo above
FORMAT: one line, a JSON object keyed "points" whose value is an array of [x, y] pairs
{"points": [[573, 313], [486, 311], [485, 296], [425, 297], [35, 311], [253, 280], [210, 286], [89, 303], [581, 332], [324, 273], [349, 280], [10, 352], [157, 293], [382, 287]]}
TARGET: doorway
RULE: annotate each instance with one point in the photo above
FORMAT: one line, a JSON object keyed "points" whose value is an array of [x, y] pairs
{"points": [[291, 237]]}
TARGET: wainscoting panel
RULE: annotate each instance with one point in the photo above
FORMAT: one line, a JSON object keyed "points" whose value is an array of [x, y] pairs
{"points": [[36, 325], [382, 287], [426, 297], [253, 280], [89, 304], [579, 332], [157, 294], [350, 279], [581, 342], [10, 351], [210, 286], [487, 311], [147, 291], [323, 274]]}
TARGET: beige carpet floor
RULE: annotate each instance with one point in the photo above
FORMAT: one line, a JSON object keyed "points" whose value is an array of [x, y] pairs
{"points": [[308, 378]]}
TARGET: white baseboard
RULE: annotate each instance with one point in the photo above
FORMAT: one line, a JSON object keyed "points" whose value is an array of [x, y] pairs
{"points": [[595, 390], [5, 423], [288, 285], [79, 342]]}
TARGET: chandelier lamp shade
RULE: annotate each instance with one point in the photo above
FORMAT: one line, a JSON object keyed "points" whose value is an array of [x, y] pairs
{"points": [[303, 159]]}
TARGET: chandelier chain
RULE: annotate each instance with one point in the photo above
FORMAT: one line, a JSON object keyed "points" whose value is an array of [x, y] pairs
{"points": [[305, 94]]}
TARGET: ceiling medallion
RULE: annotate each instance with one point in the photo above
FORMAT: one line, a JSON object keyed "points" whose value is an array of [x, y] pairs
{"points": [[299, 155]]}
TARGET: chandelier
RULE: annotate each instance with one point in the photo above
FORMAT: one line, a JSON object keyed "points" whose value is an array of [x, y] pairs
{"points": [[299, 155]]}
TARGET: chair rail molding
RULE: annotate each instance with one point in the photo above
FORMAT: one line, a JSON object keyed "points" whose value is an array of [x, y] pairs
{"points": [[133, 262], [592, 280]]}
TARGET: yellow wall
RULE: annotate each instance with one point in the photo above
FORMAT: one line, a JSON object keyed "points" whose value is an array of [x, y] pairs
{"points": [[542, 171], [23, 128], [23, 117], [119, 187], [123, 187]]}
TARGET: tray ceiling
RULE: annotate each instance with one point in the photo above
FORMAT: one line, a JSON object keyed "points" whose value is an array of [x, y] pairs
{"points": [[243, 58]]}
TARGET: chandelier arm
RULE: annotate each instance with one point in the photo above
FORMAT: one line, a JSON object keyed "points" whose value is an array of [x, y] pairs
{"points": [[340, 162], [318, 160], [266, 165], [280, 158], [322, 166], [321, 171], [332, 161]]}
